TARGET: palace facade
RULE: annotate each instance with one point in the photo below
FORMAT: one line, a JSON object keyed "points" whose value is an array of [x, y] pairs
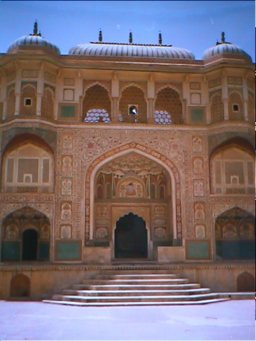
{"points": [[124, 152]]}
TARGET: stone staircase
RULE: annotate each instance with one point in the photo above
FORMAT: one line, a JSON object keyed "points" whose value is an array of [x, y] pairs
{"points": [[135, 287]]}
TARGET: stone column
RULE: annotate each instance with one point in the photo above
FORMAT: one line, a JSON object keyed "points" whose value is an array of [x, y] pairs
{"points": [[115, 92], [151, 97], [17, 92], [205, 100], [245, 98], [4, 97], [115, 110], [40, 90], [225, 97], [185, 99], [79, 95], [58, 93]]}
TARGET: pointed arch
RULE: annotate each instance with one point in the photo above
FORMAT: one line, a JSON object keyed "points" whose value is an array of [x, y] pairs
{"points": [[148, 153], [96, 97], [48, 103], [133, 94], [168, 100]]}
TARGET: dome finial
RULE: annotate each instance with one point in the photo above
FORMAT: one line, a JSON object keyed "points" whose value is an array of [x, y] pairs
{"points": [[160, 40], [35, 30], [100, 35], [223, 37], [130, 38]]}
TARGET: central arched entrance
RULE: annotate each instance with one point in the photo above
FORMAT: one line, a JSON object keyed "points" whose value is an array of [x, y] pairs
{"points": [[29, 245], [131, 239]]}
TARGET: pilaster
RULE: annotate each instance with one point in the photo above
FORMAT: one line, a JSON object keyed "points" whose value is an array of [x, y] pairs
{"points": [[151, 97], [17, 92], [225, 96]]}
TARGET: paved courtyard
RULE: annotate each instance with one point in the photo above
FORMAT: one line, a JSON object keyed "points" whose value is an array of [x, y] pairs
{"points": [[232, 320]]}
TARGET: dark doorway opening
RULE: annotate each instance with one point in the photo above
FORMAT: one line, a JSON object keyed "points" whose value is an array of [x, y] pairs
{"points": [[29, 245], [131, 237]]}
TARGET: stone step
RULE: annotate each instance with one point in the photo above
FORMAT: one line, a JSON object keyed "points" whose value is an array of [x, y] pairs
{"points": [[135, 286], [141, 298], [138, 276], [135, 280], [138, 287], [116, 304], [130, 292]]}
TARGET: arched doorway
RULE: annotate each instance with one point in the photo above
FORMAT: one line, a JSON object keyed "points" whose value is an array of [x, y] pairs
{"points": [[20, 286], [29, 244], [25, 235], [131, 237]]}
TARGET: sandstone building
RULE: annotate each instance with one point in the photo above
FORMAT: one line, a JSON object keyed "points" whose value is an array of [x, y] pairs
{"points": [[124, 152]]}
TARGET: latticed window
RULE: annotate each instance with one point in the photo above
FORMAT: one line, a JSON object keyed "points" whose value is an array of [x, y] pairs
{"points": [[97, 115]]}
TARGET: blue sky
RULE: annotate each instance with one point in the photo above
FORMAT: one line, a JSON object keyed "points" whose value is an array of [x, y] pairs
{"points": [[195, 25]]}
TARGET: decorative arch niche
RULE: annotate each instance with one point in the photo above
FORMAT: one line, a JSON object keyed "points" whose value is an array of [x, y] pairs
{"points": [[48, 103], [232, 169], [235, 106], [235, 235], [106, 170], [216, 107], [28, 92], [11, 102], [27, 166]]}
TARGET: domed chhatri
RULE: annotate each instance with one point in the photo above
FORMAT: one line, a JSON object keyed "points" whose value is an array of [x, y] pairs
{"points": [[224, 48], [105, 49], [34, 40]]}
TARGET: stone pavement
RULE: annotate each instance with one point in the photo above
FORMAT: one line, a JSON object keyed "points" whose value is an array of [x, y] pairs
{"points": [[230, 320]]}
